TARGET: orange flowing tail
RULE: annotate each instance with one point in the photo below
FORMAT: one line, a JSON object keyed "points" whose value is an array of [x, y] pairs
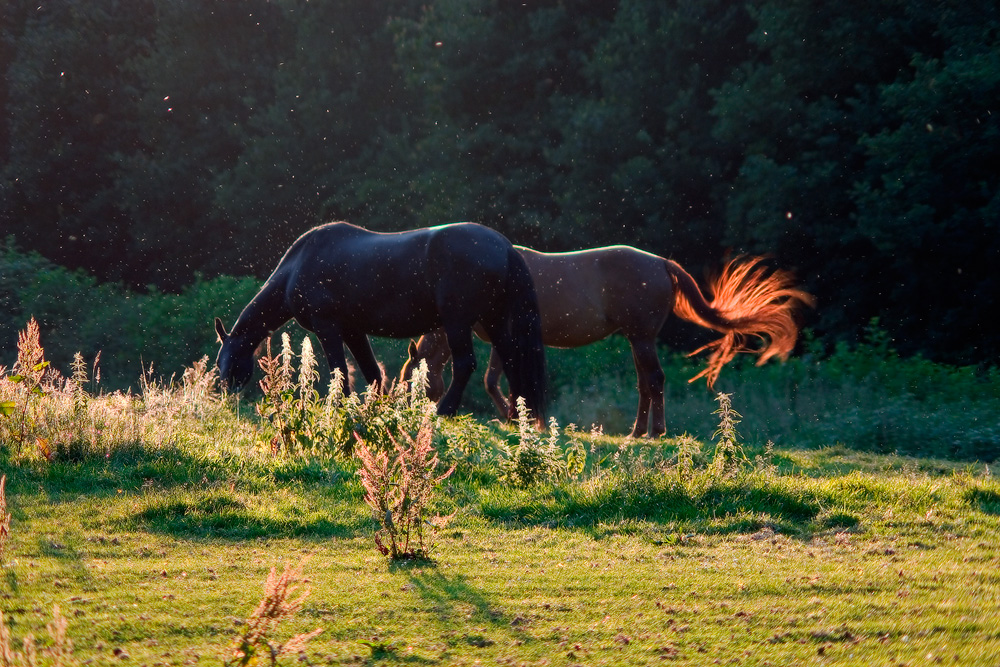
{"points": [[748, 302]]}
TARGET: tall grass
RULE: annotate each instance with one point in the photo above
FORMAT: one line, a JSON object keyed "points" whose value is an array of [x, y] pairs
{"points": [[865, 397], [59, 652]]}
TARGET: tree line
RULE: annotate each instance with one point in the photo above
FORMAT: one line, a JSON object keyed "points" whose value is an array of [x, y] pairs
{"points": [[157, 143]]}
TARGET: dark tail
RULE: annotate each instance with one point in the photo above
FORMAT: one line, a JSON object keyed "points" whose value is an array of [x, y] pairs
{"points": [[747, 302], [524, 361]]}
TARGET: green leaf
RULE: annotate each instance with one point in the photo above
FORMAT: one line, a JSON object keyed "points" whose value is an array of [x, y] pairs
{"points": [[7, 407]]}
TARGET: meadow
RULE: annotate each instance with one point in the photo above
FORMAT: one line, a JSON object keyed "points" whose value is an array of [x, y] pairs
{"points": [[837, 509]]}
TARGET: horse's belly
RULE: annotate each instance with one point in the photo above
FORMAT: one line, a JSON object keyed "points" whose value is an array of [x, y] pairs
{"points": [[563, 327], [384, 313], [391, 321]]}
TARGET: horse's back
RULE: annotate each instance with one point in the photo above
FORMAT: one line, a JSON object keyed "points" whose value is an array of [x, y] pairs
{"points": [[455, 242], [396, 284], [586, 295]]}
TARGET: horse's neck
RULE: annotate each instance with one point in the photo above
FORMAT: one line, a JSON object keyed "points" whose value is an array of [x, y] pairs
{"points": [[266, 312]]}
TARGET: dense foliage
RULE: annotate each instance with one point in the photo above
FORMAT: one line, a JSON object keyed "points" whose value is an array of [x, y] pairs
{"points": [[132, 333], [150, 143]]}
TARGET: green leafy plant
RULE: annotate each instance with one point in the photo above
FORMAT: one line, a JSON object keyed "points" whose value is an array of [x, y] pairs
{"points": [[535, 456], [399, 483], [290, 404], [688, 453], [729, 453], [377, 414]]}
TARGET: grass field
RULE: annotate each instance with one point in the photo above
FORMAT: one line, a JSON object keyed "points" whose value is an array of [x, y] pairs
{"points": [[832, 558], [149, 523]]}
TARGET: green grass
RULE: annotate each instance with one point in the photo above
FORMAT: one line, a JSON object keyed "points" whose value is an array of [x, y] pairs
{"points": [[869, 535], [833, 557]]}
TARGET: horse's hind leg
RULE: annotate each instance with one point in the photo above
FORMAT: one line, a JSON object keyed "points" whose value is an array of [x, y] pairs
{"points": [[463, 365], [649, 374], [642, 412], [492, 382]]}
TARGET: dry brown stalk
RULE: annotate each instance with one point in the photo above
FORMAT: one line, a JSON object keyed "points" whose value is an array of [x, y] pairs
{"points": [[60, 654], [398, 487], [278, 604]]}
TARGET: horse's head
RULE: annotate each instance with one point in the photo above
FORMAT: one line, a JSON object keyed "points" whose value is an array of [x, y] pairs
{"points": [[235, 360], [423, 350]]}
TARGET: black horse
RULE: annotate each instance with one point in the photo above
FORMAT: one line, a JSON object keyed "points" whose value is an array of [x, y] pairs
{"points": [[343, 283]]}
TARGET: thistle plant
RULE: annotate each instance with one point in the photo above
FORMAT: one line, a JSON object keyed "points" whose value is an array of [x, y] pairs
{"points": [[729, 454], [399, 483], [535, 457]]}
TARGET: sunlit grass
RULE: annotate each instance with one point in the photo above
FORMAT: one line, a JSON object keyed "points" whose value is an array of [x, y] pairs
{"points": [[153, 519]]}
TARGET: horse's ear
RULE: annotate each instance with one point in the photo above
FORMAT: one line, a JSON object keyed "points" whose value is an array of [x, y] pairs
{"points": [[220, 330], [411, 351]]}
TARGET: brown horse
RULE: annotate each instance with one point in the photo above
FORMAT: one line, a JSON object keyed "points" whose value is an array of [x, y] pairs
{"points": [[587, 295]]}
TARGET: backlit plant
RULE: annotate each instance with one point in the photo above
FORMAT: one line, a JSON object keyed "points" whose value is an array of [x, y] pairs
{"points": [[24, 387], [399, 483]]}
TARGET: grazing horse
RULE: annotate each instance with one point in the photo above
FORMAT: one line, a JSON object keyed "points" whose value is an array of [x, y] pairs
{"points": [[344, 283], [587, 295]]}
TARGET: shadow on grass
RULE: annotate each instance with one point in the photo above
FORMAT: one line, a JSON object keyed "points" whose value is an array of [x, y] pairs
{"points": [[986, 500], [171, 491], [742, 504], [232, 515], [65, 550], [467, 608]]}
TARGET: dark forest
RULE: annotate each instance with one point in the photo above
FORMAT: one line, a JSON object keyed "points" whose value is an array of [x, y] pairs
{"points": [[158, 144]]}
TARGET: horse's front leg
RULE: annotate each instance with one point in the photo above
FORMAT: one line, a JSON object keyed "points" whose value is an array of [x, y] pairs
{"points": [[361, 348], [492, 382], [463, 365]]}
